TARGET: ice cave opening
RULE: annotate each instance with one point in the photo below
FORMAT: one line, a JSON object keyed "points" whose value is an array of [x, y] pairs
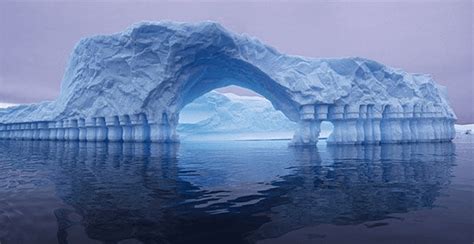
{"points": [[233, 113], [236, 113]]}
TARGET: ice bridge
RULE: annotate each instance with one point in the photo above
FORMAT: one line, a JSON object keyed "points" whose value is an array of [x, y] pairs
{"points": [[131, 86]]}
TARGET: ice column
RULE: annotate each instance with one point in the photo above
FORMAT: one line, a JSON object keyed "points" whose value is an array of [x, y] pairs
{"points": [[73, 130], [164, 129], [126, 128], [81, 124], [35, 131], [451, 129], [20, 131], [7, 132], [336, 115], [43, 131], [52, 130], [12, 131], [428, 116], [66, 126], [390, 126], [361, 123], [59, 130], [427, 123], [448, 125], [16, 131], [424, 124], [2, 131], [101, 129], [407, 133], [173, 120], [414, 125], [349, 123], [90, 129], [321, 111], [24, 131], [368, 125], [376, 115], [27, 132], [141, 130], [438, 124], [114, 130], [308, 127], [157, 133]]}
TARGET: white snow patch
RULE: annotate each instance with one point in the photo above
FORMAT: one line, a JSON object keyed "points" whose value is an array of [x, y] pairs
{"points": [[7, 105]]}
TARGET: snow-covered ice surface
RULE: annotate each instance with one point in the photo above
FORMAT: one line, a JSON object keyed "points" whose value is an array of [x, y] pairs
{"points": [[7, 105], [127, 73], [464, 133], [152, 70]]}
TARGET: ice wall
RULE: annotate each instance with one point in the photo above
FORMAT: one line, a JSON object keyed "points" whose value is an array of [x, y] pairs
{"points": [[131, 86]]}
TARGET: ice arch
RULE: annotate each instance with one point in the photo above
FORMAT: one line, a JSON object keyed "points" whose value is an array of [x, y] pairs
{"points": [[130, 86]]}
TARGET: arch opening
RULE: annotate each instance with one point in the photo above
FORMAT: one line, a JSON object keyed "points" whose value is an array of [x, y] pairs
{"points": [[233, 113], [326, 129]]}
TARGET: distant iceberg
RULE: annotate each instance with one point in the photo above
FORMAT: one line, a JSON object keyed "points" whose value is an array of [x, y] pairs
{"points": [[227, 116]]}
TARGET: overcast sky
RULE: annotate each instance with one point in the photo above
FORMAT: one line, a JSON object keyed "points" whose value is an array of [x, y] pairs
{"points": [[432, 37]]}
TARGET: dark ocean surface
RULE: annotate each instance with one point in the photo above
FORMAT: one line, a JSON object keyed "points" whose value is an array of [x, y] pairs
{"points": [[235, 192]]}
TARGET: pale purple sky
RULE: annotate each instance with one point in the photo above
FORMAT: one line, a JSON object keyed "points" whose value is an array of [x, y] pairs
{"points": [[433, 37]]}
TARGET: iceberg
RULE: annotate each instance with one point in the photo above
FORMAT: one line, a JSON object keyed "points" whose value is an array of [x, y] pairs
{"points": [[132, 85]]}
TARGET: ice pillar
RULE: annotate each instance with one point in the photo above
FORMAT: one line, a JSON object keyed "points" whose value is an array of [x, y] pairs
{"points": [[52, 130], [349, 122], [60, 130], [127, 134], [73, 130], [81, 124], [101, 129], [308, 127], [407, 133], [375, 113], [163, 130], [141, 130], [21, 131], [43, 131], [2, 131], [91, 133], [336, 115], [390, 126], [114, 130], [361, 124], [66, 126], [34, 128]]}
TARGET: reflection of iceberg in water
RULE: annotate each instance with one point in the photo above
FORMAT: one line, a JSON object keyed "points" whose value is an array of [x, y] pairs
{"points": [[362, 183], [143, 191]]}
